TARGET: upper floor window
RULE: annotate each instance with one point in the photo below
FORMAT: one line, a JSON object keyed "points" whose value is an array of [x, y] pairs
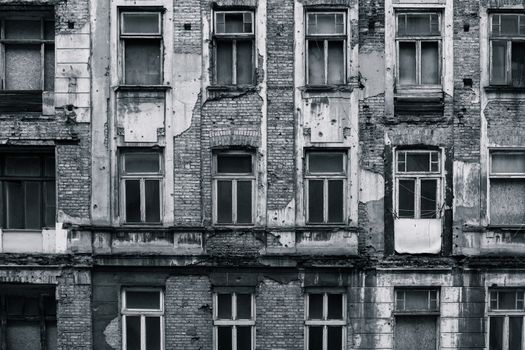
{"points": [[141, 47], [325, 321], [325, 187], [507, 49], [418, 39], [27, 190], [234, 41], [234, 184], [141, 186], [506, 314], [507, 187], [418, 184], [326, 48], [234, 321]]}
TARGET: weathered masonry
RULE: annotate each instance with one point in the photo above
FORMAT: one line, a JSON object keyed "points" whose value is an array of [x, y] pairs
{"points": [[262, 174]]}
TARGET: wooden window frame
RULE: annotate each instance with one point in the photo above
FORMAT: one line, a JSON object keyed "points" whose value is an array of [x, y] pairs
{"points": [[233, 322], [325, 322]]}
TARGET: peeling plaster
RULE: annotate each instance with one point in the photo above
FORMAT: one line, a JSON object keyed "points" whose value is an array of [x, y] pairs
{"points": [[466, 192], [112, 333], [187, 73], [282, 217], [372, 186], [372, 73]]}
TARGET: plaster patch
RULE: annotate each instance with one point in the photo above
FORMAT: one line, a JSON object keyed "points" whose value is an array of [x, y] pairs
{"points": [[112, 333], [187, 85], [372, 186], [372, 73], [282, 217]]}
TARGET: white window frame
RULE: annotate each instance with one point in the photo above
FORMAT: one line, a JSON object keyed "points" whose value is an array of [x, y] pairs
{"points": [[233, 322], [418, 40], [143, 313], [506, 314], [326, 38], [142, 177], [325, 322], [418, 176], [234, 178]]}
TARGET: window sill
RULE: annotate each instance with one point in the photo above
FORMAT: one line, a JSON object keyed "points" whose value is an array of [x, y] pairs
{"points": [[328, 88], [505, 88], [419, 100], [142, 88], [518, 227], [231, 88]]}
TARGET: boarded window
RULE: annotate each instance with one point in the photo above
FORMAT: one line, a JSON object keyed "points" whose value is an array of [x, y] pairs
{"points": [[507, 56], [325, 321], [142, 318], [234, 321], [415, 332]]}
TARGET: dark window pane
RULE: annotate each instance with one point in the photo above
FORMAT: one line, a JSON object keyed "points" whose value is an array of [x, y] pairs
{"points": [[315, 200], [316, 62], [244, 338], [143, 23], [50, 305], [49, 30], [509, 25], [315, 338], [15, 305], [406, 198], [419, 24], [149, 300], [428, 199], [49, 68], [234, 22], [507, 300], [224, 62], [244, 62], [132, 200], [325, 23], [142, 62], [335, 200], [518, 64], [315, 306], [153, 333], [33, 202], [14, 204], [415, 333], [508, 162], [496, 333], [416, 300], [429, 62], [515, 332], [244, 306], [224, 338], [507, 201], [142, 163], [22, 166], [407, 63], [335, 338], [133, 332], [335, 306], [51, 335], [23, 67], [244, 202], [418, 162], [224, 306], [325, 162], [224, 201], [22, 335], [49, 166], [23, 29], [152, 189], [336, 62], [50, 204], [234, 163], [499, 57]]}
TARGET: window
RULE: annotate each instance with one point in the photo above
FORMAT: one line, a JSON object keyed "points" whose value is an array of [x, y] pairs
{"points": [[234, 40], [27, 190], [234, 321], [418, 42], [418, 179], [416, 319], [325, 187], [234, 183], [507, 49], [326, 48], [141, 45], [142, 319], [325, 321], [141, 186], [506, 314], [507, 188]]}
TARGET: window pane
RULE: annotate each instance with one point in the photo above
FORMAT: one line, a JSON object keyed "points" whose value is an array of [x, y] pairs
{"points": [[133, 332], [335, 200], [418, 162], [315, 338], [496, 333], [23, 67], [142, 62], [244, 202], [15, 206], [22, 335], [518, 64], [224, 338], [316, 62], [244, 62], [499, 55], [507, 300], [416, 300], [428, 199], [515, 330], [415, 333], [153, 333], [51, 335], [419, 24], [335, 306], [315, 201], [507, 201], [234, 22], [429, 63], [33, 202], [406, 198], [141, 163], [224, 201], [234, 163], [224, 306], [336, 71], [152, 189], [132, 200], [244, 306], [407, 63], [23, 29], [224, 62], [244, 338], [49, 30], [509, 162], [49, 68], [50, 204], [144, 23], [22, 166], [149, 300], [509, 25], [325, 23], [335, 338], [315, 306], [325, 162]]}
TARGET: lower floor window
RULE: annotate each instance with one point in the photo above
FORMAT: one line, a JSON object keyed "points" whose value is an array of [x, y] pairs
{"points": [[506, 312], [325, 321], [234, 320]]}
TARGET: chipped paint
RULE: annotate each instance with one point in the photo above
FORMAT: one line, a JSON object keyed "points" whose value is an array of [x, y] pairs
{"points": [[112, 333]]}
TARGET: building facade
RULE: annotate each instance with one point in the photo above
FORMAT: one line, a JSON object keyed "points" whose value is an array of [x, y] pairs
{"points": [[262, 174]]}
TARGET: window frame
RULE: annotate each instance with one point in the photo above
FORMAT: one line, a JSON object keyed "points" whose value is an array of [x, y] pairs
{"points": [[233, 38], [142, 313], [326, 38], [505, 313], [142, 177], [234, 322], [325, 322], [418, 177], [418, 39], [234, 178]]}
